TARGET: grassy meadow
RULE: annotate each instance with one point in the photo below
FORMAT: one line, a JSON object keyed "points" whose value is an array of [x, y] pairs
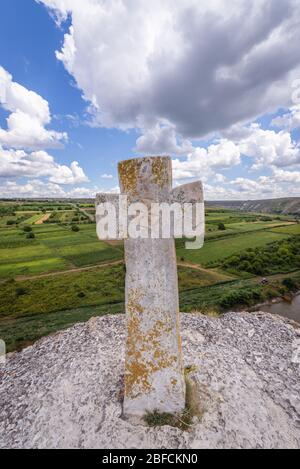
{"points": [[54, 271]]}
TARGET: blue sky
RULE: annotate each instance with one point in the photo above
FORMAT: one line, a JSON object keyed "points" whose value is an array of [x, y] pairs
{"points": [[28, 41], [112, 80]]}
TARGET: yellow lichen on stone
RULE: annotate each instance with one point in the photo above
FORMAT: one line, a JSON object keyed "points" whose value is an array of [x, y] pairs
{"points": [[133, 302], [131, 173], [145, 355], [128, 174], [162, 171]]}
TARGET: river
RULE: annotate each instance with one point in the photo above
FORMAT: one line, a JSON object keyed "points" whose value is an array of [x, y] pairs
{"points": [[284, 308]]}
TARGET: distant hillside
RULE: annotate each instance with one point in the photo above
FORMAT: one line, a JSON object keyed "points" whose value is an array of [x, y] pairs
{"points": [[290, 205]]}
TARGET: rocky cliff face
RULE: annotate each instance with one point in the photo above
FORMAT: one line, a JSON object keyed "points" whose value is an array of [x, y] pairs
{"points": [[66, 390], [288, 206]]}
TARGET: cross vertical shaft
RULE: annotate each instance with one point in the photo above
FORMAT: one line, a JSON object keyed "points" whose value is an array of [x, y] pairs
{"points": [[154, 378]]}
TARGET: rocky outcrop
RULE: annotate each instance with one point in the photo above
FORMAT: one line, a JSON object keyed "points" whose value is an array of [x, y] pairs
{"points": [[66, 390], [286, 206]]}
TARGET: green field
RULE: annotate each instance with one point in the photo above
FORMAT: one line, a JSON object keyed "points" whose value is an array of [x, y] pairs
{"points": [[33, 219], [290, 230], [213, 252], [53, 248], [59, 276], [41, 266]]}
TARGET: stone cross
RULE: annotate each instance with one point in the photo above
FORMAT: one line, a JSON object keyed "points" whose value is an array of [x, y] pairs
{"points": [[154, 373]]}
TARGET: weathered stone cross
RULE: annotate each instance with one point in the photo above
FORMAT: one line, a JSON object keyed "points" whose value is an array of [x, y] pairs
{"points": [[154, 375]]}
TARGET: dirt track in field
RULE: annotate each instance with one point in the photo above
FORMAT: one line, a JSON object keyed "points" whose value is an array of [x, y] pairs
{"points": [[105, 264], [43, 219], [20, 278]]}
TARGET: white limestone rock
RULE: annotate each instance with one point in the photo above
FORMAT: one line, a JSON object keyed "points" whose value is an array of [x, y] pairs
{"points": [[66, 390]]}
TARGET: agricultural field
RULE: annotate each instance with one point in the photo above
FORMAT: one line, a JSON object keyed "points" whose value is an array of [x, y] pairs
{"points": [[54, 249], [290, 230], [54, 271], [215, 251]]}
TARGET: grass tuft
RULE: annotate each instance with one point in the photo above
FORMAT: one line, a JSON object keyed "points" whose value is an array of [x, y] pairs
{"points": [[183, 421]]}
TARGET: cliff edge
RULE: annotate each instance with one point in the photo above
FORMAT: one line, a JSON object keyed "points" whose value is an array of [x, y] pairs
{"points": [[66, 390]]}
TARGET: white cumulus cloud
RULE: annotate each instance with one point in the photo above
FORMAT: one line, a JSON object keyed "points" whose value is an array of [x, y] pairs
{"points": [[39, 189], [178, 72], [268, 148], [162, 139], [281, 175], [202, 163], [289, 120], [29, 116], [19, 163], [201, 66], [23, 144]]}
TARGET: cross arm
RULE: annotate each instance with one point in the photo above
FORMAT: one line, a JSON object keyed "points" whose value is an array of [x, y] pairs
{"points": [[107, 216], [188, 193], [191, 198]]}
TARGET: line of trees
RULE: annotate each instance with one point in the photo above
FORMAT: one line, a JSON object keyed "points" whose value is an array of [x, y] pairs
{"points": [[279, 256]]}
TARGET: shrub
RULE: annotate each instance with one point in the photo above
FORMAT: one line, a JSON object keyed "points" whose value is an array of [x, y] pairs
{"points": [[233, 260], [221, 227], [27, 229], [30, 235], [245, 266], [21, 291], [257, 268], [284, 251], [279, 256], [10, 222], [290, 284], [75, 228], [240, 297]]}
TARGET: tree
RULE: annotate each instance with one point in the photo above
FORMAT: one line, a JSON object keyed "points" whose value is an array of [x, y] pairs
{"points": [[257, 268], [30, 235], [232, 261], [290, 284], [21, 291], [75, 228], [245, 266], [27, 229], [283, 251], [221, 227]]}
